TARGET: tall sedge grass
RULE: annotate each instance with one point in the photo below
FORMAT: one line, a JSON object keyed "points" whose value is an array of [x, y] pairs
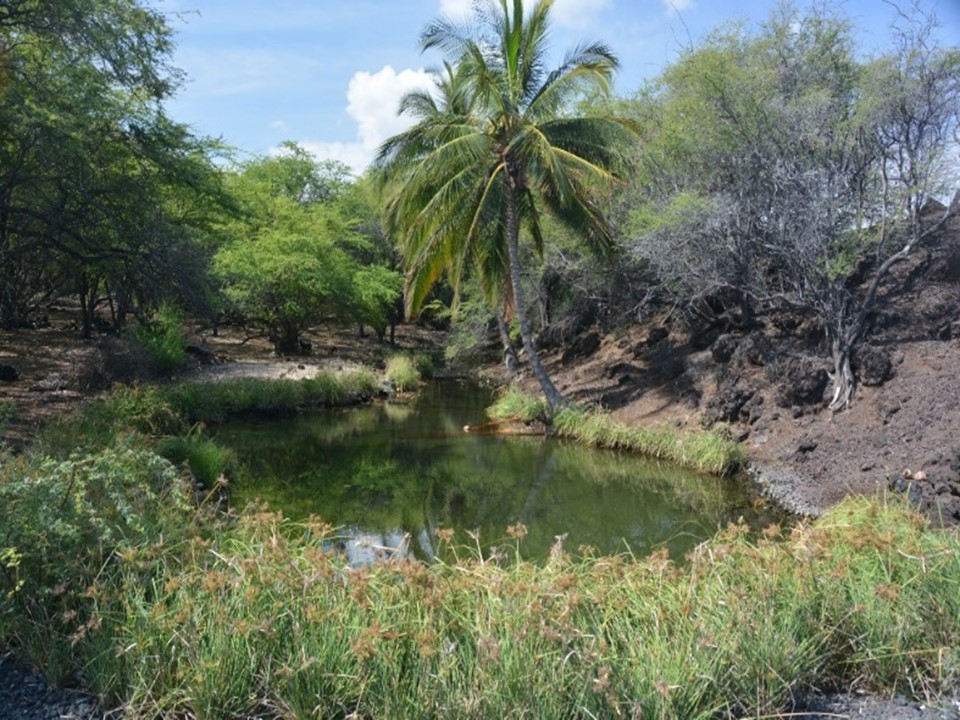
{"points": [[110, 572], [265, 618], [702, 451], [513, 404]]}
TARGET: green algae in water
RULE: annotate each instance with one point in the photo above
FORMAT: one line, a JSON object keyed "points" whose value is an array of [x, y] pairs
{"points": [[393, 474]]}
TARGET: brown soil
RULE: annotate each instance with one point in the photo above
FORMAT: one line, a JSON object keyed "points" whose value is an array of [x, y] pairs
{"points": [[57, 370]]}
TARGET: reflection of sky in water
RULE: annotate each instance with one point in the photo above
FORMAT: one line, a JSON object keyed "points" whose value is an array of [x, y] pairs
{"points": [[363, 548], [392, 475]]}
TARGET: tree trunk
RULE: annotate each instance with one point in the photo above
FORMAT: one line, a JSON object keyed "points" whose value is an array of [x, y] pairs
{"points": [[843, 344], [287, 340], [510, 359], [843, 380], [86, 294], [554, 399]]}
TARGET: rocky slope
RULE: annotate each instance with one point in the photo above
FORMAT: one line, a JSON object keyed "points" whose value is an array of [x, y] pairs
{"points": [[769, 387]]}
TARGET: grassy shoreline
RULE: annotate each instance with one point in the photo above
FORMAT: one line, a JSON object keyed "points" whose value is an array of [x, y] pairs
{"points": [[702, 451], [114, 570], [261, 616]]}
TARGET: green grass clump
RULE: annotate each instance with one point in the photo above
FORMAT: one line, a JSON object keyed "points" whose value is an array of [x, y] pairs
{"points": [[155, 410], [207, 460], [264, 613], [403, 371], [163, 340], [706, 452], [514, 404]]}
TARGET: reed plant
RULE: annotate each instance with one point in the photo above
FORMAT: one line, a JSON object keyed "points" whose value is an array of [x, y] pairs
{"points": [[513, 404], [265, 618], [111, 573], [161, 410], [206, 460]]}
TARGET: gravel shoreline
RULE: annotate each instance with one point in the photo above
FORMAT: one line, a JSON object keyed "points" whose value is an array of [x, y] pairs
{"points": [[25, 695]]}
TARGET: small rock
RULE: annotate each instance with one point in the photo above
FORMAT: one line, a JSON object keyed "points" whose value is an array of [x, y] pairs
{"points": [[872, 365], [807, 445], [621, 369], [803, 382], [583, 347], [753, 350], [723, 348], [727, 404]]}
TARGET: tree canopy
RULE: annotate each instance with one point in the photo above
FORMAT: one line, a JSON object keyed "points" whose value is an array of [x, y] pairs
{"points": [[772, 162], [302, 249], [476, 172], [100, 190]]}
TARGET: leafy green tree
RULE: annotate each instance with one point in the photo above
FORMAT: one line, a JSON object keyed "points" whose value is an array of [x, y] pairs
{"points": [[513, 152], [378, 283], [298, 254], [100, 192], [773, 162]]}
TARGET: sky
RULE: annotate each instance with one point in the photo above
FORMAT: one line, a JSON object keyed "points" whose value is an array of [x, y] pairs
{"points": [[329, 74]]}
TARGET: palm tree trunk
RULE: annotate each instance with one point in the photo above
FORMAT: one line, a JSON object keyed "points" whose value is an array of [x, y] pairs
{"points": [[510, 359], [554, 399]]}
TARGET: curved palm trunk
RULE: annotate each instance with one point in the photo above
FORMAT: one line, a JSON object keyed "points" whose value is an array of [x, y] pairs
{"points": [[510, 359], [554, 398]]}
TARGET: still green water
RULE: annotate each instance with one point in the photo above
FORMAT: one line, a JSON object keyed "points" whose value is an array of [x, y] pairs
{"points": [[391, 474]]}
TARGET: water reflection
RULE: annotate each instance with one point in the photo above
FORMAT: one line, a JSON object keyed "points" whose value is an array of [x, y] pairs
{"points": [[390, 475]]}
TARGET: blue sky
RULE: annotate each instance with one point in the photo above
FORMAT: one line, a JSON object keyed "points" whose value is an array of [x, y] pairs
{"points": [[328, 73]]}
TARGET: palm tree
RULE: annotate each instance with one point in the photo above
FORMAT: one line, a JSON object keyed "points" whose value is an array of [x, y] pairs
{"points": [[475, 174]]}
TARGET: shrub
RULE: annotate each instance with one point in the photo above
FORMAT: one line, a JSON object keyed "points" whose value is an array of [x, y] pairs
{"points": [[163, 340], [70, 523]]}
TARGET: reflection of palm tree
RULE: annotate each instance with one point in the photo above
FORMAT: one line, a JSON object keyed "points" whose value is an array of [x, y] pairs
{"points": [[471, 176], [546, 464]]}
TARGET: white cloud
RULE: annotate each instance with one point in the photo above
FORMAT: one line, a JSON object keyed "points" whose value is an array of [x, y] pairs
{"points": [[372, 101], [351, 154], [457, 10], [279, 125], [675, 6], [566, 13]]}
